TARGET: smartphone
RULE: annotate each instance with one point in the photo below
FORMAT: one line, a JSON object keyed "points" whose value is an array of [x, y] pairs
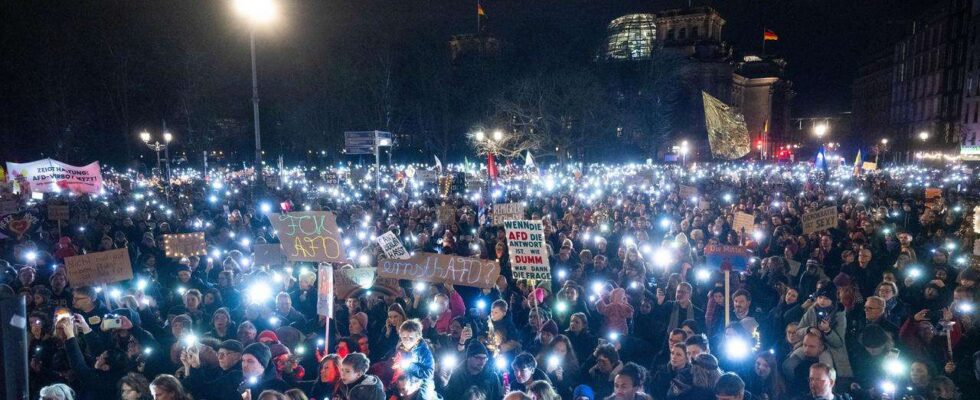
{"points": [[112, 323]]}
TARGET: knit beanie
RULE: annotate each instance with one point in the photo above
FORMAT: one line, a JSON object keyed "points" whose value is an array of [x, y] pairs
{"points": [[261, 353]]}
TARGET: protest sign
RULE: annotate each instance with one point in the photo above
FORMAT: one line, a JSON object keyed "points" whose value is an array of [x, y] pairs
{"points": [[58, 212], [268, 254], [869, 166], [528, 255], [184, 245], [9, 207], [446, 214], [324, 290], [19, 224], [391, 246], [431, 267], [733, 258], [744, 221], [507, 211], [51, 176], [349, 280], [309, 236], [688, 192], [426, 176], [932, 193], [331, 178], [822, 219], [95, 269]]}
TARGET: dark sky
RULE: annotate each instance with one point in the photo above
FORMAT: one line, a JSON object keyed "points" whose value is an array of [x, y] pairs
{"points": [[64, 61]]}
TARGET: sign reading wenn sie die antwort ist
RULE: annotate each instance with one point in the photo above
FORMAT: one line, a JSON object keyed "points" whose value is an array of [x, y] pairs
{"points": [[528, 256]]}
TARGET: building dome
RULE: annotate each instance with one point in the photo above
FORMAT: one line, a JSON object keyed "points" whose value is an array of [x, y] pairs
{"points": [[631, 37]]}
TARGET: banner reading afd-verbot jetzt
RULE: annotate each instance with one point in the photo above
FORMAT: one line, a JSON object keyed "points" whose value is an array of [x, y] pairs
{"points": [[50, 176]]}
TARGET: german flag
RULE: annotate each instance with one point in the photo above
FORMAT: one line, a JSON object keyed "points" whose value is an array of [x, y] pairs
{"points": [[769, 35], [479, 10]]}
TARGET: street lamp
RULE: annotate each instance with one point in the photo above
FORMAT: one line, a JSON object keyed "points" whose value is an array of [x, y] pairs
{"points": [[820, 130], [480, 136], [256, 12], [884, 141], [158, 147], [684, 149], [498, 135], [923, 136]]}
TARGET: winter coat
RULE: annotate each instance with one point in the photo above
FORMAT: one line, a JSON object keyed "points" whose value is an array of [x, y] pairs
{"points": [[367, 387], [617, 310], [835, 339]]}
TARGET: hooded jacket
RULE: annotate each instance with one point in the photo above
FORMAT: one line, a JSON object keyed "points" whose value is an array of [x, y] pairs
{"points": [[367, 387]]}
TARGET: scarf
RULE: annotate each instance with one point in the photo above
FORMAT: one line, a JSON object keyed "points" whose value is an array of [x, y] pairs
{"points": [[674, 313]]}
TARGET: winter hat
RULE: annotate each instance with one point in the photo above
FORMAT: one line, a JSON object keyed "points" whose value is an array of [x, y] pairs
{"points": [[476, 348], [267, 335], [811, 263], [828, 290], [231, 345], [182, 267], [261, 353], [550, 327], [277, 349], [583, 391], [361, 318], [843, 280]]}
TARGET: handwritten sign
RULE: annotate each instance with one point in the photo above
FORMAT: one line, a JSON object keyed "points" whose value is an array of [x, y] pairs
{"points": [[9, 207], [268, 254], [309, 236], [58, 212], [869, 166], [437, 268], [391, 246], [725, 257], [349, 280], [688, 192], [184, 245], [744, 221], [528, 256], [99, 268], [507, 211], [19, 224], [822, 219], [331, 179], [446, 215], [324, 290]]}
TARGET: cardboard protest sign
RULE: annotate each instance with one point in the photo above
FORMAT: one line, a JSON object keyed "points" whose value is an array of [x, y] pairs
{"points": [[687, 192], [58, 212], [932, 193], [733, 258], [184, 245], [446, 214], [391, 246], [95, 269], [349, 280], [19, 224], [51, 176], [324, 290], [331, 178], [743, 221], [822, 219], [309, 236], [528, 255], [9, 207], [426, 176], [507, 211], [268, 254], [869, 166], [431, 267]]}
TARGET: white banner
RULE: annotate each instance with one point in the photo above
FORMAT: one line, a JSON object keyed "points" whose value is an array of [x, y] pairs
{"points": [[392, 247], [51, 176], [528, 254]]}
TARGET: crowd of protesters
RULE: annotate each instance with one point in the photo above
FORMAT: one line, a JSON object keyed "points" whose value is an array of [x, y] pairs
{"points": [[878, 307]]}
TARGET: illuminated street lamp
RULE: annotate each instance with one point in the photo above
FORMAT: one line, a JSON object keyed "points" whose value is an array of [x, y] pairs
{"points": [[256, 12], [923, 136], [498, 135], [158, 147], [884, 141], [820, 130], [480, 136], [684, 149]]}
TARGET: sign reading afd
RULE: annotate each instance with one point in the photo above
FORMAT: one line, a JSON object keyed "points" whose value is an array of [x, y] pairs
{"points": [[309, 236]]}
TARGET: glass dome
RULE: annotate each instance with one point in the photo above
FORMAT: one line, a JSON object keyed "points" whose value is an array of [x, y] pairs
{"points": [[631, 37]]}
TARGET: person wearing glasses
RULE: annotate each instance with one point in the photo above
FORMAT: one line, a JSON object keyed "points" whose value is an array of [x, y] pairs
{"points": [[214, 383]]}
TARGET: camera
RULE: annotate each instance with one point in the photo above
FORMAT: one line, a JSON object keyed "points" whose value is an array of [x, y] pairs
{"points": [[112, 323]]}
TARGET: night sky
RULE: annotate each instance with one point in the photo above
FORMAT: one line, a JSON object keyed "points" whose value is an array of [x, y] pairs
{"points": [[116, 67]]}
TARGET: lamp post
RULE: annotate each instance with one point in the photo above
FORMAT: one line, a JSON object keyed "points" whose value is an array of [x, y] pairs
{"points": [[684, 149], [256, 12], [158, 147]]}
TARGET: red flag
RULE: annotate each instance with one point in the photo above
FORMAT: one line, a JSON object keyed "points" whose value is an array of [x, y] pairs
{"points": [[769, 35], [491, 166]]}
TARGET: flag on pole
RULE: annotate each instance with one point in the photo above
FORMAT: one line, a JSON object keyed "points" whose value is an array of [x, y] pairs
{"points": [[857, 163], [491, 167], [821, 162], [769, 35], [479, 10], [529, 161], [438, 162]]}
